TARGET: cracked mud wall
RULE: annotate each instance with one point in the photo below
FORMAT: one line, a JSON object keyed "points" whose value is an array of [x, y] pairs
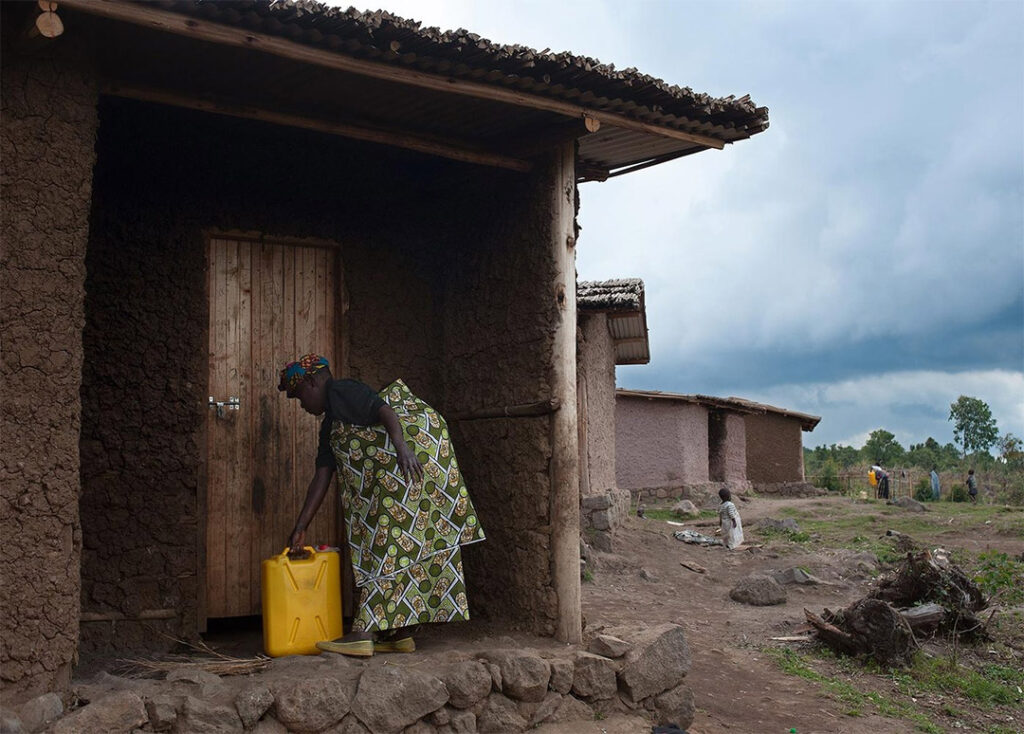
{"points": [[596, 397], [48, 134], [163, 177], [774, 449], [499, 319]]}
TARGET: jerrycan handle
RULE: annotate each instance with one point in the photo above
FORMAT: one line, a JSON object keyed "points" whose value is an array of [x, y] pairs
{"points": [[305, 554]]}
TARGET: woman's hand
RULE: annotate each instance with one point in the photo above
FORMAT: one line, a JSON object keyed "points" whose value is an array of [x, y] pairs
{"points": [[409, 466], [297, 543]]}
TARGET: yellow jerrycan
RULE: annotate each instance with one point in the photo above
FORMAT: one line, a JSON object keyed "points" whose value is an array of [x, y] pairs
{"points": [[301, 602]]}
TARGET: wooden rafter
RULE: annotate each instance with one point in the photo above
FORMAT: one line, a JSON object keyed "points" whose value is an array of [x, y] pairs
{"points": [[431, 145], [150, 16]]}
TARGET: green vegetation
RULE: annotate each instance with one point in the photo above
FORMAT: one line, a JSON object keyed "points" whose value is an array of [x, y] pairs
{"points": [[973, 425], [844, 468], [1000, 576], [839, 523], [845, 691], [989, 687]]}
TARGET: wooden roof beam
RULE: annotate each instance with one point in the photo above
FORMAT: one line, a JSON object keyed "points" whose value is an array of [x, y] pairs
{"points": [[453, 150], [156, 18]]}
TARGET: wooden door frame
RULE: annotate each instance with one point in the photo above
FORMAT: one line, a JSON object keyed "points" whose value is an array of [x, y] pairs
{"points": [[342, 367]]}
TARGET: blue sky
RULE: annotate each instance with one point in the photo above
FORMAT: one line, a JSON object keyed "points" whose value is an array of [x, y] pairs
{"points": [[863, 259]]}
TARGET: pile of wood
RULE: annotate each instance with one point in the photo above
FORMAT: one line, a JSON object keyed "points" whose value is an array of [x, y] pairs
{"points": [[925, 595]]}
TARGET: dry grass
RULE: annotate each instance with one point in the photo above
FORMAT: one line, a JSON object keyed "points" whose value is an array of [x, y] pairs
{"points": [[204, 658]]}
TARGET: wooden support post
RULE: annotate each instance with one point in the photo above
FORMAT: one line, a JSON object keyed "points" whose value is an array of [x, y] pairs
{"points": [[565, 456]]}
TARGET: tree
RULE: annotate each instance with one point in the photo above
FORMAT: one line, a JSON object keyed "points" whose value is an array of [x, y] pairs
{"points": [[1011, 450], [974, 428], [882, 448]]}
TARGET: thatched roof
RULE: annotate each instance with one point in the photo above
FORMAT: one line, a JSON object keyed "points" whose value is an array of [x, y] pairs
{"points": [[460, 53], [623, 301], [625, 294]]}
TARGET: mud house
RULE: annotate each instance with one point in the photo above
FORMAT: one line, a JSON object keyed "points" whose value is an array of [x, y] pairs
{"points": [[672, 445], [612, 319], [194, 193]]}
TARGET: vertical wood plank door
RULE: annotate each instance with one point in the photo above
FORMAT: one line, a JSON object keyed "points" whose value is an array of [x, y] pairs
{"points": [[269, 304]]}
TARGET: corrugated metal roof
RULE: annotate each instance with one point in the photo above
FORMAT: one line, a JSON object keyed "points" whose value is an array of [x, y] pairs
{"points": [[738, 405]]}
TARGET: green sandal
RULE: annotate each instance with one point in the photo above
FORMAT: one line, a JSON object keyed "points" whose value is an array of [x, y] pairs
{"points": [[402, 644], [356, 648]]}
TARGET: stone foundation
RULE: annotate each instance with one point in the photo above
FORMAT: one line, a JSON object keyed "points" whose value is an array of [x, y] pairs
{"points": [[789, 489], [600, 514], [506, 688], [702, 494]]}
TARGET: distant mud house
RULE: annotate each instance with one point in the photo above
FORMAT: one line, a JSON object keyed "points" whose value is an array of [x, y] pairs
{"points": [[194, 193], [670, 445]]}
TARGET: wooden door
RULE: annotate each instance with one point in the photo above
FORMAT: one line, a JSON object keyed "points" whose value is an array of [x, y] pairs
{"points": [[269, 304]]}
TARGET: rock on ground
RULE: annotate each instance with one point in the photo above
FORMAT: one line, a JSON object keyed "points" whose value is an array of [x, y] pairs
{"points": [[675, 706], [391, 698], [659, 660], [252, 703], [310, 704], [910, 504], [524, 676], [561, 675], [795, 575], [593, 676], [774, 523], [758, 591], [203, 717], [162, 711], [609, 646], [40, 711], [499, 715], [535, 713], [685, 508], [119, 712], [467, 682]]}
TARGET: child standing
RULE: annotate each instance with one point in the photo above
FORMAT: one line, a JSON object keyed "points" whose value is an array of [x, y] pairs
{"points": [[732, 526]]}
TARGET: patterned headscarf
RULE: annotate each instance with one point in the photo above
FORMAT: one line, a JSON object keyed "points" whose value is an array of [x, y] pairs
{"points": [[294, 372]]}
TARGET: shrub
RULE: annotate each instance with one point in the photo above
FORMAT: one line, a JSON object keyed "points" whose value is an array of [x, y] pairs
{"points": [[958, 493], [923, 490], [830, 475], [998, 574]]}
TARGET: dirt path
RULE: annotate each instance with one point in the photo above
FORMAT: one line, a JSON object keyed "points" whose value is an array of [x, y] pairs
{"points": [[737, 688]]}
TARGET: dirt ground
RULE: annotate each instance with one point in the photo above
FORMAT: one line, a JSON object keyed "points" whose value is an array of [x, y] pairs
{"points": [[736, 678], [736, 686]]}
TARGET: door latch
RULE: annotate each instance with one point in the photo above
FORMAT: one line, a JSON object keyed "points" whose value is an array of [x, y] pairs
{"points": [[231, 403]]}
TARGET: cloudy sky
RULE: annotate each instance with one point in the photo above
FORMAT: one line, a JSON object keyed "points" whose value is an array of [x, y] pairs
{"points": [[863, 259]]}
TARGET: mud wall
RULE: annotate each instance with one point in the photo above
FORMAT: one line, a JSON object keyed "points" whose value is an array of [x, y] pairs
{"points": [[659, 443], [499, 318], [727, 447], [596, 397], [164, 176], [47, 138], [774, 449]]}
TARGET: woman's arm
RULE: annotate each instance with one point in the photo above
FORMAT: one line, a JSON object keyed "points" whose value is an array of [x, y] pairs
{"points": [[314, 498], [411, 469]]}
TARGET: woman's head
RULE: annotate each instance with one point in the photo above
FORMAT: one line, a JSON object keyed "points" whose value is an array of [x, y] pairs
{"points": [[306, 381], [725, 494]]}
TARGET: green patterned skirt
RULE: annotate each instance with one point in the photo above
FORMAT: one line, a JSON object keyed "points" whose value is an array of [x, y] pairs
{"points": [[405, 539]]}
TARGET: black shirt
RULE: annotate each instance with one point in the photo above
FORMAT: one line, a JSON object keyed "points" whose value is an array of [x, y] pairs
{"points": [[349, 401]]}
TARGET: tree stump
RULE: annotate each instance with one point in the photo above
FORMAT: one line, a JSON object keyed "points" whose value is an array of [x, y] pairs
{"points": [[867, 627]]}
